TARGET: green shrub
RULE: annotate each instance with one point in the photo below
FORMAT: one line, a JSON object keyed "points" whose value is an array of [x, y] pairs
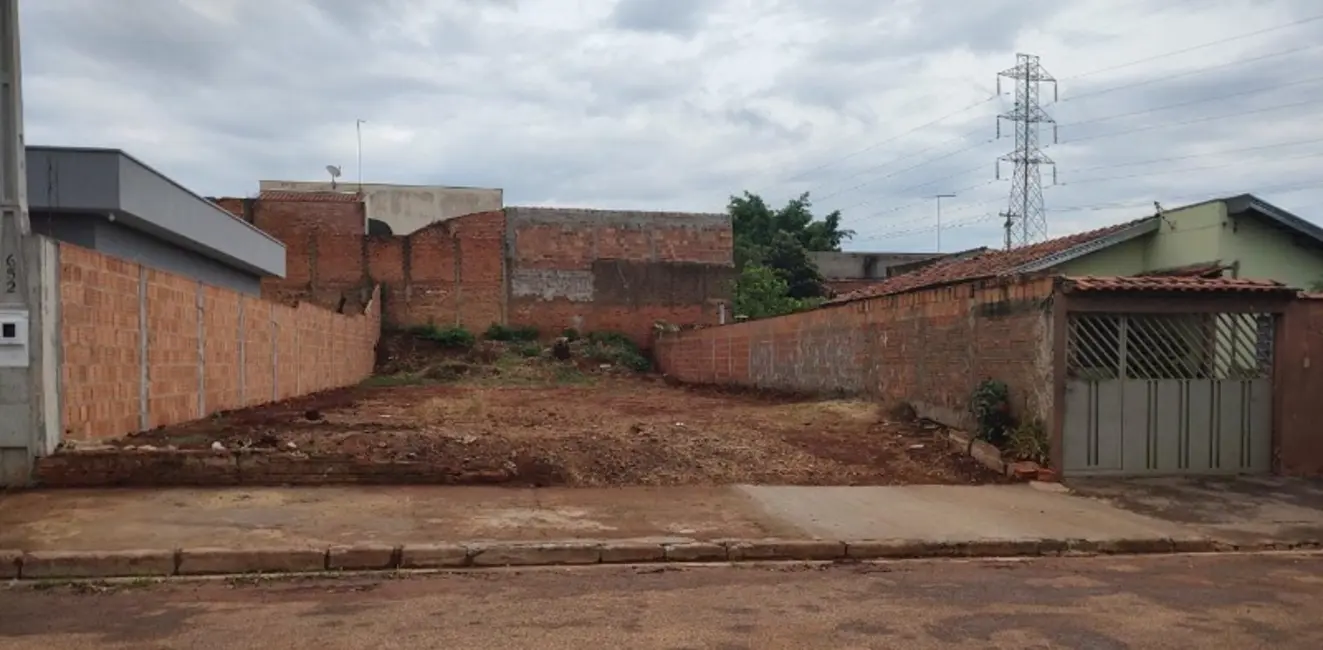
{"points": [[455, 336], [616, 349], [570, 334], [991, 407], [528, 350], [498, 332]]}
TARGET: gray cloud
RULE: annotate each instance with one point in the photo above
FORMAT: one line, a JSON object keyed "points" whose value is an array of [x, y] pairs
{"points": [[676, 17], [583, 103]]}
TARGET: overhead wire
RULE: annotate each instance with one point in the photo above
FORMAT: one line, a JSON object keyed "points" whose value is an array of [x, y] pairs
{"points": [[1193, 48], [1199, 120], [1193, 102], [1187, 73]]}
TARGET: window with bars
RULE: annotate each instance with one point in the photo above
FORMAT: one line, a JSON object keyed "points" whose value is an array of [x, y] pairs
{"points": [[1169, 346]]}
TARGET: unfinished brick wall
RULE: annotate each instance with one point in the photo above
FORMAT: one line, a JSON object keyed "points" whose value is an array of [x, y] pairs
{"points": [[929, 348], [545, 267], [616, 270], [143, 348]]}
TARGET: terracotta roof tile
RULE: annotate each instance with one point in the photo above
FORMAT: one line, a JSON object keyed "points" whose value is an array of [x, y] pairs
{"points": [[1181, 283], [989, 264], [315, 197]]}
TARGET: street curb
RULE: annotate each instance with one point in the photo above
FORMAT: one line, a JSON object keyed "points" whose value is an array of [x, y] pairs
{"points": [[73, 565]]}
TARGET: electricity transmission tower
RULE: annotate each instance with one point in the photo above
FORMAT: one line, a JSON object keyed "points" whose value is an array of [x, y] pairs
{"points": [[1026, 218]]}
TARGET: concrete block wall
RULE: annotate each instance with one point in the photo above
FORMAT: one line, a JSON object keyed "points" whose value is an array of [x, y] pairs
{"points": [[142, 348], [929, 348]]}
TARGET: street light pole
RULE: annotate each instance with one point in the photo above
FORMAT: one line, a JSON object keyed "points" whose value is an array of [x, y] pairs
{"points": [[939, 198]]}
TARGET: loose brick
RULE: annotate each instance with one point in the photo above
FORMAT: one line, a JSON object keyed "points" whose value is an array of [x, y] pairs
{"points": [[696, 552], [9, 562], [39, 565], [785, 549], [628, 552], [363, 558], [201, 561], [535, 554], [433, 556]]}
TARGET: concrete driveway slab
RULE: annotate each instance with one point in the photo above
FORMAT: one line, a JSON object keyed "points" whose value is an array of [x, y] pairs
{"points": [[953, 513], [1232, 509]]}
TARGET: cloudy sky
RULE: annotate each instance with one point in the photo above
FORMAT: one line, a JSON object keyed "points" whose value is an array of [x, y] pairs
{"points": [[873, 106]]}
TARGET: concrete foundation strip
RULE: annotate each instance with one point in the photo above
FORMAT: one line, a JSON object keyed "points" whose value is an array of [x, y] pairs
{"points": [[61, 565]]}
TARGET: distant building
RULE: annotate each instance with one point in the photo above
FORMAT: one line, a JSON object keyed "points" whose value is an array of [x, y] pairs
{"points": [[403, 209], [850, 271]]}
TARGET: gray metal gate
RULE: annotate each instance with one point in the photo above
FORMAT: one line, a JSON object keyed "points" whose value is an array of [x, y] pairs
{"points": [[1187, 393]]}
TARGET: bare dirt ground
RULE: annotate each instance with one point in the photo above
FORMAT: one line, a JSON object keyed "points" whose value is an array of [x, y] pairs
{"points": [[579, 423]]}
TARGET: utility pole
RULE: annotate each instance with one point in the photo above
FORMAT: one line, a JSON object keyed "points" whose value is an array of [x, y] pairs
{"points": [[939, 198], [1026, 216], [358, 129], [14, 224]]}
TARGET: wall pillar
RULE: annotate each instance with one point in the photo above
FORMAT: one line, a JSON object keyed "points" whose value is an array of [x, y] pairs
{"points": [[30, 416]]}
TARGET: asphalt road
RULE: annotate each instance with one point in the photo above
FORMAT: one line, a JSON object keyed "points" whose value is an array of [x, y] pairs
{"points": [[1242, 602]]}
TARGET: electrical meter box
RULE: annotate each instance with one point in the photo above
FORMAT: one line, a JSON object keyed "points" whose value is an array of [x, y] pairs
{"points": [[13, 338]]}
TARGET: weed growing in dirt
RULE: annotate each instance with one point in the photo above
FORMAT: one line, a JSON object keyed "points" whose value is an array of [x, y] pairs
{"points": [[568, 374], [616, 349], [1029, 442], [499, 332], [454, 337], [393, 380], [528, 350], [570, 334]]}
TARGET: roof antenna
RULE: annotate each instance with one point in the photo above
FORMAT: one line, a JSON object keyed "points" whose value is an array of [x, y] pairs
{"points": [[1162, 214]]}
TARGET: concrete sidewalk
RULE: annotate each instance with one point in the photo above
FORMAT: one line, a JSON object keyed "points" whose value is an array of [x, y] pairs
{"points": [[107, 520], [66, 533]]}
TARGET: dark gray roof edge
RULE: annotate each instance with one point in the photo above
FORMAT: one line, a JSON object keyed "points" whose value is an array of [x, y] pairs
{"points": [[1137, 229], [1248, 202], [153, 170]]}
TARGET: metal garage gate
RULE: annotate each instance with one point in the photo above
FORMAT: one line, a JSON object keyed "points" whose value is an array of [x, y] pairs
{"points": [[1168, 394]]}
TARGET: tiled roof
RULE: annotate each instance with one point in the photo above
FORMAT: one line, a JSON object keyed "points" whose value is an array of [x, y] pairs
{"points": [[1180, 283], [316, 197], [988, 264]]}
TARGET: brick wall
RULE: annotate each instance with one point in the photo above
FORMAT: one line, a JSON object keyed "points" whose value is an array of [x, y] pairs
{"points": [[617, 270], [1298, 385], [930, 348], [545, 267], [199, 348]]}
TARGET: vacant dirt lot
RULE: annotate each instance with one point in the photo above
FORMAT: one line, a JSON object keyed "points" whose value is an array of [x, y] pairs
{"points": [[607, 431]]}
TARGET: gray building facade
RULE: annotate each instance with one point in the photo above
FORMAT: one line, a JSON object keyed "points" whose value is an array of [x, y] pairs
{"points": [[108, 201]]}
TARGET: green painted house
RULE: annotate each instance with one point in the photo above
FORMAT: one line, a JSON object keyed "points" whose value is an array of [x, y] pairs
{"points": [[1236, 237]]}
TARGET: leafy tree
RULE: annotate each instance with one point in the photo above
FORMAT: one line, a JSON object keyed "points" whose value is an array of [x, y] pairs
{"points": [[761, 292], [778, 241]]}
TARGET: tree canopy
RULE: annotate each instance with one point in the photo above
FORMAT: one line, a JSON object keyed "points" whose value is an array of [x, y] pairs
{"points": [[776, 275]]}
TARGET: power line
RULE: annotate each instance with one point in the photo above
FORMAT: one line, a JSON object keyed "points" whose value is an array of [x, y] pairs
{"points": [[911, 167], [1200, 155], [1116, 205], [1205, 100], [1181, 169], [1188, 122], [1220, 41], [892, 139], [1187, 73], [924, 200], [915, 187]]}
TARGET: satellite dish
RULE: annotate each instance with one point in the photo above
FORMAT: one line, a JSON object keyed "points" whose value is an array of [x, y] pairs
{"points": [[333, 170]]}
